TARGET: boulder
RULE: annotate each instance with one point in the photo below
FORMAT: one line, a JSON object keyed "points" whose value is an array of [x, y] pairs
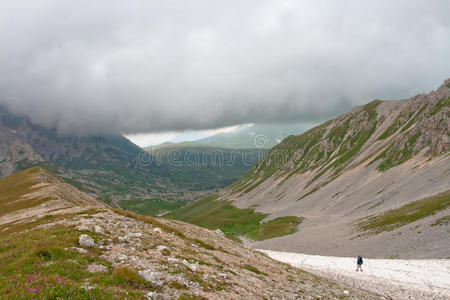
{"points": [[192, 267], [161, 248], [94, 268], [99, 229], [121, 257], [79, 250], [135, 235], [83, 228], [153, 277], [86, 241], [153, 296], [172, 260], [122, 239], [219, 232]]}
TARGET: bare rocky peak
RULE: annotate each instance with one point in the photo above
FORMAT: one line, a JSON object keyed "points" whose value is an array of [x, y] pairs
{"points": [[14, 151]]}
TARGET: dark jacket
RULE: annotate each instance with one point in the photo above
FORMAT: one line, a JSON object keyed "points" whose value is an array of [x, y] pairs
{"points": [[359, 261]]}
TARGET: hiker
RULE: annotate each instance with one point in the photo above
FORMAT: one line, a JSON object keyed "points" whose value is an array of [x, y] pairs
{"points": [[359, 262]]}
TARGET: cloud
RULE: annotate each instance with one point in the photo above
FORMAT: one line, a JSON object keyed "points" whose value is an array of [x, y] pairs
{"points": [[152, 66]]}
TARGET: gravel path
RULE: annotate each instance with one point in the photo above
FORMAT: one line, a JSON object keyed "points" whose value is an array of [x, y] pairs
{"points": [[390, 278]]}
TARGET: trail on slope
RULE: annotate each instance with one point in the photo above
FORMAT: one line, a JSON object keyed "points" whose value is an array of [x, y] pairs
{"points": [[390, 278]]}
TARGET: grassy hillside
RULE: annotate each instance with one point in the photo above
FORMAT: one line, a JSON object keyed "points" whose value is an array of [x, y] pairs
{"points": [[408, 213], [35, 266], [221, 214], [15, 188]]}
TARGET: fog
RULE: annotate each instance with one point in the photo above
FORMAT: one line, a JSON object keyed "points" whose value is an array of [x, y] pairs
{"points": [[133, 67]]}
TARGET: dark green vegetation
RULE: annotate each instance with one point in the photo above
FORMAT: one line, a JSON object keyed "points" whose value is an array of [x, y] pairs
{"points": [[221, 214], [274, 228], [253, 269], [35, 266], [404, 215], [152, 206], [199, 167]]}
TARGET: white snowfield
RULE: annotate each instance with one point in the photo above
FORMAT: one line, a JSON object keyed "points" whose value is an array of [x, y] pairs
{"points": [[388, 278]]}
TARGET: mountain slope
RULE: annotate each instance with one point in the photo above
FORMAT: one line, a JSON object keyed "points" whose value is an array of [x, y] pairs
{"points": [[86, 250], [36, 192], [107, 166], [15, 152], [115, 169], [377, 158]]}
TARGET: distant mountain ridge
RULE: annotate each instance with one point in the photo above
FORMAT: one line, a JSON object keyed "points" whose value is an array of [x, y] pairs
{"points": [[112, 167], [99, 165], [261, 136]]}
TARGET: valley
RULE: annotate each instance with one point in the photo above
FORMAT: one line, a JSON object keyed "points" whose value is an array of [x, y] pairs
{"points": [[374, 181], [59, 242], [230, 150]]}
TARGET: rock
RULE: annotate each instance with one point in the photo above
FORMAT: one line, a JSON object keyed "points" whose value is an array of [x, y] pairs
{"points": [[86, 241], [83, 228], [122, 239], [121, 257], [79, 250], [219, 232], [192, 267], [153, 296], [161, 248], [94, 268], [105, 242], [157, 229], [172, 260], [153, 277], [346, 293], [164, 250], [135, 235], [99, 229]]}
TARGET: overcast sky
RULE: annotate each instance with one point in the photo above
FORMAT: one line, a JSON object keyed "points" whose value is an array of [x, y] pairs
{"points": [[165, 66]]}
